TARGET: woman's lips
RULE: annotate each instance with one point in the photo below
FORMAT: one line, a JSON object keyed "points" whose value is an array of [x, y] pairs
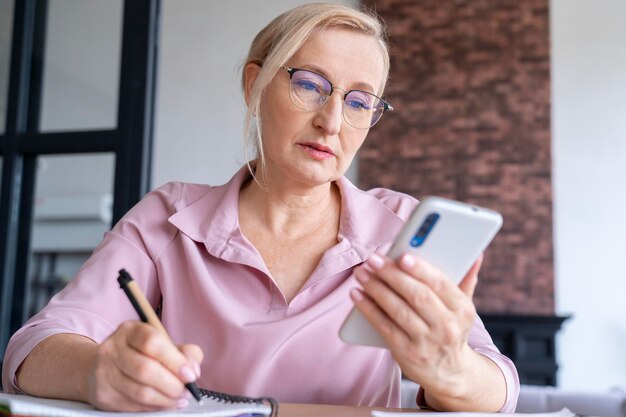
{"points": [[317, 151]]}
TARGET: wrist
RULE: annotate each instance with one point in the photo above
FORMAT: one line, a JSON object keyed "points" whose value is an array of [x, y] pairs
{"points": [[478, 386], [87, 374], [452, 387]]}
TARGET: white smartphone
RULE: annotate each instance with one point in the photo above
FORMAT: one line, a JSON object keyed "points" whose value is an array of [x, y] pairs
{"points": [[448, 234]]}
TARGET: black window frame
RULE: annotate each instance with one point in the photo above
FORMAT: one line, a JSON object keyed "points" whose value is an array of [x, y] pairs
{"points": [[21, 143]]}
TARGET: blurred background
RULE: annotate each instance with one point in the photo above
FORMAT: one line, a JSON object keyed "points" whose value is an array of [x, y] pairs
{"points": [[514, 105]]}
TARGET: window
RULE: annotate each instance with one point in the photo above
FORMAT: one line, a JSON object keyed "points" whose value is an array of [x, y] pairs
{"points": [[64, 113]]}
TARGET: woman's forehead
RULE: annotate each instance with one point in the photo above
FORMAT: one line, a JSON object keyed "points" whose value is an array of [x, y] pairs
{"points": [[342, 55]]}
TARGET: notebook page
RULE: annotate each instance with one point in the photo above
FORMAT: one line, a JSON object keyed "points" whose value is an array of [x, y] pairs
{"points": [[43, 407]]}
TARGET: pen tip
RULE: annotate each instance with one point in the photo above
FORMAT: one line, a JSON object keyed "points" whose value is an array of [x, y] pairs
{"points": [[193, 388]]}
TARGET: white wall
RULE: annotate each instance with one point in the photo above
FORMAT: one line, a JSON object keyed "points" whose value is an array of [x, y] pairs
{"points": [[589, 178]]}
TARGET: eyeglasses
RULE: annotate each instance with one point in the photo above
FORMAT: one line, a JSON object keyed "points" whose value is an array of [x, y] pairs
{"points": [[310, 91]]}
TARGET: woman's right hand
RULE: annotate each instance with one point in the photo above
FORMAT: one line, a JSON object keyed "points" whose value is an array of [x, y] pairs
{"points": [[138, 368]]}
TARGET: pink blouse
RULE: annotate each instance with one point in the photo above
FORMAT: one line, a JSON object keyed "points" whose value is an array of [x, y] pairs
{"points": [[183, 245]]}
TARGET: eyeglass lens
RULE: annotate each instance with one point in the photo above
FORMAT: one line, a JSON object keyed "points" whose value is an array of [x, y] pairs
{"points": [[310, 91]]}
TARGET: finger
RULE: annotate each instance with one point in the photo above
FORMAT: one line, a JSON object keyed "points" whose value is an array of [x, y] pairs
{"points": [[393, 306], [113, 390], [195, 356], [448, 291], [389, 331], [148, 371], [137, 396], [468, 285], [416, 295], [150, 342]]}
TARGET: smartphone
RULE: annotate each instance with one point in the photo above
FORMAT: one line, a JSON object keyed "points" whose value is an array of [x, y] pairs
{"points": [[449, 234]]}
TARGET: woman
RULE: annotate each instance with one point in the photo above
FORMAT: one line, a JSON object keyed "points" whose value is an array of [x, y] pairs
{"points": [[256, 276]]}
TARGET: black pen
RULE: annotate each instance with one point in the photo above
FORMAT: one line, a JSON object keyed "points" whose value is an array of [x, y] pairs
{"points": [[147, 315]]}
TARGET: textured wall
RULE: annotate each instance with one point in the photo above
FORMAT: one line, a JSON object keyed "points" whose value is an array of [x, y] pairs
{"points": [[470, 81]]}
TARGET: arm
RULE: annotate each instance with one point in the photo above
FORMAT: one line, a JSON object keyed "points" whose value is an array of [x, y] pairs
{"points": [[38, 375], [88, 334], [427, 320], [135, 369], [479, 387]]}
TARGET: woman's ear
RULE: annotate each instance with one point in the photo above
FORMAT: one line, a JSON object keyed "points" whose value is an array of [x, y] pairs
{"points": [[250, 74]]}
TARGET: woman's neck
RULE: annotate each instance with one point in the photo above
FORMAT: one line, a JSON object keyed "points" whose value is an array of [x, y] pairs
{"points": [[290, 209]]}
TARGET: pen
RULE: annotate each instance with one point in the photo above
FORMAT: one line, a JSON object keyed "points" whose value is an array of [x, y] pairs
{"points": [[147, 315]]}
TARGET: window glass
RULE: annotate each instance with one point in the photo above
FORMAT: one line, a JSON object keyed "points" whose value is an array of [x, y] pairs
{"points": [[6, 28], [81, 65], [72, 210]]}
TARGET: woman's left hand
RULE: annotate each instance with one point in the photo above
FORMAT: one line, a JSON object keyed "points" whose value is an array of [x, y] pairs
{"points": [[423, 316]]}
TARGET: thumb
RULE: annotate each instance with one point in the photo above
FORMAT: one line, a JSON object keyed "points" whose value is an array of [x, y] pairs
{"points": [[195, 356], [469, 282]]}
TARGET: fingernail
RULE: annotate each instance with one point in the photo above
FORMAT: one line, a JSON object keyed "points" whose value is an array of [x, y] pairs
{"points": [[376, 261], [187, 374], [356, 294], [407, 260], [361, 275], [182, 403], [196, 368]]}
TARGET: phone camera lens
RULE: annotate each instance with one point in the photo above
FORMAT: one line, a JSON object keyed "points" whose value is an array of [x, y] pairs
{"points": [[427, 225]]}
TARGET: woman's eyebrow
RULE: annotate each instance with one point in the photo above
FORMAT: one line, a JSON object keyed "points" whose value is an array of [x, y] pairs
{"points": [[356, 86]]}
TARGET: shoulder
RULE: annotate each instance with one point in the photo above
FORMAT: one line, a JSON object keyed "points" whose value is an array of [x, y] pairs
{"points": [[175, 195], [166, 200], [148, 221]]}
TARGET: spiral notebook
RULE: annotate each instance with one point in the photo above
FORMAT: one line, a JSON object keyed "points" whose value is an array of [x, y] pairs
{"points": [[214, 404]]}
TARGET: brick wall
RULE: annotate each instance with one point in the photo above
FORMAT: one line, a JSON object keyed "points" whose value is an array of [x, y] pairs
{"points": [[470, 81]]}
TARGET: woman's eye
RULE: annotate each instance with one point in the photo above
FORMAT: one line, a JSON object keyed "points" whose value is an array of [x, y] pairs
{"points": [[357, 105], [307, 85]]}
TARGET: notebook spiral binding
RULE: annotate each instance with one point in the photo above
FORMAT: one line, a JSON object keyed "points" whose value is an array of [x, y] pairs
{"points": [[230, 398]]}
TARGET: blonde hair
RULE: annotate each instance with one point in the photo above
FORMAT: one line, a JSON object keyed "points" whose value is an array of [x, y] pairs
{"points": [[283, 37]]}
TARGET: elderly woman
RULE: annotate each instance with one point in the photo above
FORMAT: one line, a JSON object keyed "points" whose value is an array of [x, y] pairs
{"points": [[255, 277]]}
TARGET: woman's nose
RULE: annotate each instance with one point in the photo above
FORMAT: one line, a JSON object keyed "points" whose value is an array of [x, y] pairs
{"points": [[330, 117]]}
